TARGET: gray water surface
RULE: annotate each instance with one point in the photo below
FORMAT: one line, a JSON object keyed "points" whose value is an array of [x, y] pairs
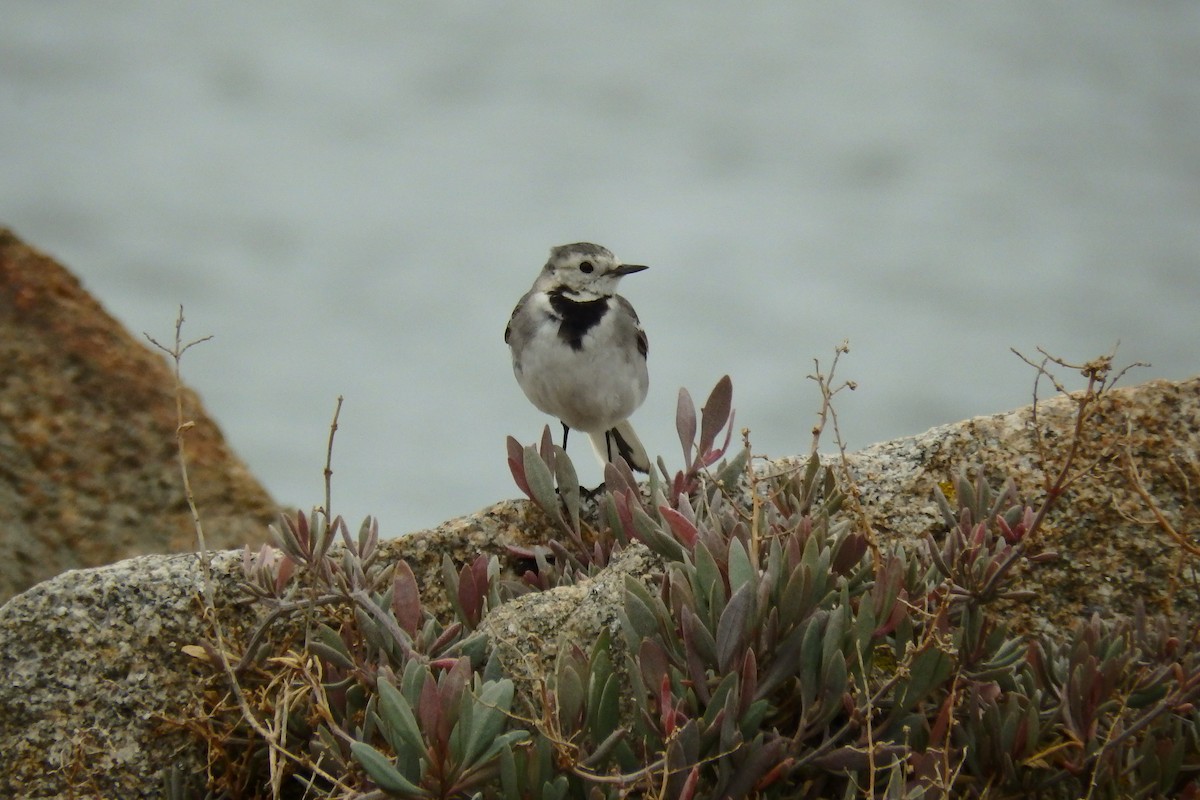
{"points": [[352, 196]]}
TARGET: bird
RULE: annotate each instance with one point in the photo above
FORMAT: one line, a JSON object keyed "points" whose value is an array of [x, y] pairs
{"points": [[579, 351]]}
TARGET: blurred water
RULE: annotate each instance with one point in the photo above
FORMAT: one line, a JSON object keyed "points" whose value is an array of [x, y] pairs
{"points": [[351, 197]]}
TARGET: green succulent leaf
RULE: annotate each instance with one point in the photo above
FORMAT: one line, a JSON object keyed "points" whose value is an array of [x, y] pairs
{"points": [[397, 721], [930, 668], [384, 773], [568, 486], [487, 718], [734, 628], [605, 713], [741, 571], [541, 484], [730, 472], [328, 643]]}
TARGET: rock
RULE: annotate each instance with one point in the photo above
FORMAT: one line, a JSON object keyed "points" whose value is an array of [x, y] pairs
{"points": [[527, 631], [97, 689], [88, 468], [1113, 552]]}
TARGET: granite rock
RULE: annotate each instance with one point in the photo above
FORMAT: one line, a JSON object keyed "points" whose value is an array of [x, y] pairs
{"points": [[88, 469], [1113, 552], [98, 690]]}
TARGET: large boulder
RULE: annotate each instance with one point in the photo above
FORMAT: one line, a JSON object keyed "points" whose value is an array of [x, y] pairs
{"points": [[98, 691], [88, 465]]}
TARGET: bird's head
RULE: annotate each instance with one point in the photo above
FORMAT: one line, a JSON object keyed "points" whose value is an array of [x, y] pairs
{"points": [[583, 270]]}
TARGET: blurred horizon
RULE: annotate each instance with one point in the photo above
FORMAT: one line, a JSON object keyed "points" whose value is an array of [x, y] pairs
{"points": [[351, 199]]}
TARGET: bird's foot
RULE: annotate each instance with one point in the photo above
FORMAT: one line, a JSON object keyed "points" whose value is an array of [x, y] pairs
{"points": [[592, 494]]}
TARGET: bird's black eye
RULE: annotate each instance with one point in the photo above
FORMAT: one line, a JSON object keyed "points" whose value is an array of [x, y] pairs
{"points": [[586, 267]]}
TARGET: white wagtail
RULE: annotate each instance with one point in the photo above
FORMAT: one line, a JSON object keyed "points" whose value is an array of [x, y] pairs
{"points": [[579, 352]]}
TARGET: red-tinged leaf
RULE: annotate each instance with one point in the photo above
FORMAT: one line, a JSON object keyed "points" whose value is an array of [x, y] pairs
{"points": [[851, 551], [516, 465], [1020, 738], [520, 551], [451, 686], [517, 468], [300, 531], [681, 526], [468, 596], [688, 792], [899, 612], [666, 707], [942, 723], [618, 477], [685, 423], [547, 447], [1010, 536], [287, 567], [715, 413], [514, 449], [624, 514], [717, 453], [406, 599], [480, 567], [679, 485], [749, 686], [652, 660], [774, 774], [429, 712]]}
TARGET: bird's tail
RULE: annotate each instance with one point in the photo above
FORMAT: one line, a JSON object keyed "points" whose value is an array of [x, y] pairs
{"points": [[621, 441]]}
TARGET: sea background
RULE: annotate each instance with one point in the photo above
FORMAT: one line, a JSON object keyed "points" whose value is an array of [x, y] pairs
{"points": [[350, 198]]}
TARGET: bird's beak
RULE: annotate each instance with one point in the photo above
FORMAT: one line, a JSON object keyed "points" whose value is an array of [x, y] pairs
{"points": [[628, 269]]}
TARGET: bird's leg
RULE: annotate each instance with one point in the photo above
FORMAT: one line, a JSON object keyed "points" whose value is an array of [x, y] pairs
{"points": [[591, 494], [566, 430]]}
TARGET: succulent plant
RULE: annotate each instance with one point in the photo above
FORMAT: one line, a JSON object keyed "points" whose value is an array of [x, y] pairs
{"points": [[779, 653]]}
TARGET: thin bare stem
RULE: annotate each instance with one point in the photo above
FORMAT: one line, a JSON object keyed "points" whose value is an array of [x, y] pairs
{"points": [[333, 426], [828, 390], [1100, 379], [182, 427]]}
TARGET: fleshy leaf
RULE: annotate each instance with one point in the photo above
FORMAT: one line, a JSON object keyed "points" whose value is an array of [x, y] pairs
{"points": [[685, 424], [541, 484], [733, 628], [406, 598], [715, 413], [383, 771]]}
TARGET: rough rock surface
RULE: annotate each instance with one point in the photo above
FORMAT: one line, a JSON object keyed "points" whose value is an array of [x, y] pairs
{"points": [[1113, 551], [88, 470], [96, 688]]}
